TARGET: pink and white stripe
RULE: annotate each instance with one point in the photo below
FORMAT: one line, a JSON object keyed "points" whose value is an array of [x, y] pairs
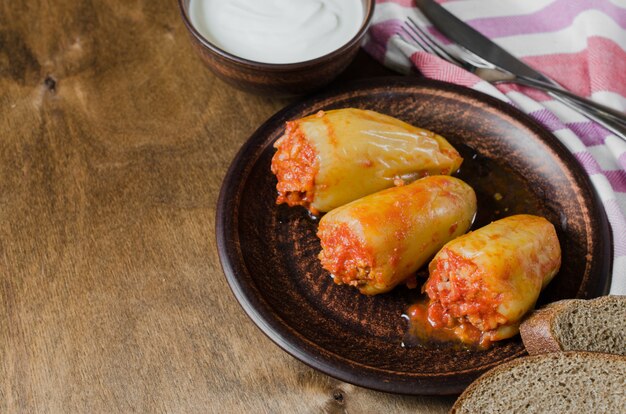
{"points": [[579, 43]]}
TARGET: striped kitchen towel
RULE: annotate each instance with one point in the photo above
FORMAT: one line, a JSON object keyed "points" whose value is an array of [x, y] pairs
{"points": [[579, 43]]}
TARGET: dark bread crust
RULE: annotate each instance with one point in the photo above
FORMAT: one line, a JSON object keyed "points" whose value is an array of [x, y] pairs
{"points": [[538, 329], [530, 361]]}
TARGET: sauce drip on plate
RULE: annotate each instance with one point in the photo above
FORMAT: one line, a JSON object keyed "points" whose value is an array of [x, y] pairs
{"points": [[426, 329]]}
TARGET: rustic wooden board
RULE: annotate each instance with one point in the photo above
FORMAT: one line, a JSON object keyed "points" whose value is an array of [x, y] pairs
{"points": [[113, 143]]}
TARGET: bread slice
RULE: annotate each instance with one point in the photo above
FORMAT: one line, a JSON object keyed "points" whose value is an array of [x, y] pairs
{"points": [[597, 325], [562, 382]]}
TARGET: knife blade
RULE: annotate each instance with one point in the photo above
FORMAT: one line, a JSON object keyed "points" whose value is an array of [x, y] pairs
{"points": [[465, 36], [461, 33]]}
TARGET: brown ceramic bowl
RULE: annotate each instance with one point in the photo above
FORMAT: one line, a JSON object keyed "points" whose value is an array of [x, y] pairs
{"points": [[276, 79], [269, 252]]}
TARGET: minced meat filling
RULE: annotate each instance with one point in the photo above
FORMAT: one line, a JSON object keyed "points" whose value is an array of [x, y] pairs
{"points": [[295, 165]]}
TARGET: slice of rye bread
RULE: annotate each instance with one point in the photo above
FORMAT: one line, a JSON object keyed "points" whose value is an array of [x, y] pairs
{"points": [[561, 382], [597, 325]]}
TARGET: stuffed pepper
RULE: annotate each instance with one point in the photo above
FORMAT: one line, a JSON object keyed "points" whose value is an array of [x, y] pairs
{"points": [[328, 159], [381, 240], [483, 283]]}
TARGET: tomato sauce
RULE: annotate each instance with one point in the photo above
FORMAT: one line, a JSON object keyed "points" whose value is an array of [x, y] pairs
{"points": [[460, 309], [344, 256], [295, 164], [428, 325], [464, 295]]}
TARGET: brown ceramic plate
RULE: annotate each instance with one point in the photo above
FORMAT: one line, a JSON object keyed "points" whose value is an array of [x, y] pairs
{"points": [[269, 252]]}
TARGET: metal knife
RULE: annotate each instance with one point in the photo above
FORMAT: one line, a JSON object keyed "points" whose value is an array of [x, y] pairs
{"points": [[464, 35]]}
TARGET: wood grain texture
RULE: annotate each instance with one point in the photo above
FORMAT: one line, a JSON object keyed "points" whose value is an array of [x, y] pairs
{"points": [[114, 141]]}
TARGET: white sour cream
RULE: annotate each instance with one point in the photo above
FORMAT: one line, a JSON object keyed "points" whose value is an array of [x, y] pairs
{"points": [[277, 31]]}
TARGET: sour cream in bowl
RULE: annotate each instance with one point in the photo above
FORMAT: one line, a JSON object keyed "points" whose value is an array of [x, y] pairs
{"points": [[277, 31], [277, 46]]}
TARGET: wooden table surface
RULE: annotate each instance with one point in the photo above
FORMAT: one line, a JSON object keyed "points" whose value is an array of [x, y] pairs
{"points": [[114, 142]]}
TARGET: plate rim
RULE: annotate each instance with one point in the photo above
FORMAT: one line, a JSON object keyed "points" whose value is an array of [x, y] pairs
{"points": [[290, 341]]}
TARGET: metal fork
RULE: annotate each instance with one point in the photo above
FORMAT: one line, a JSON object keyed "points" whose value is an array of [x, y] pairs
{"points": [[458, 55]]}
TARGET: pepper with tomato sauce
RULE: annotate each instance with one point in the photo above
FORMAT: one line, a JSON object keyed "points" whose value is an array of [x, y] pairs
{"points": [[483, 283], [331, 158], [380, 241]]}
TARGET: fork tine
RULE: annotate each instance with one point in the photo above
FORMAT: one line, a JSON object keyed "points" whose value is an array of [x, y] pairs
{"points": [[467, 59], [416, 41], [411, 30], [433, 44]]}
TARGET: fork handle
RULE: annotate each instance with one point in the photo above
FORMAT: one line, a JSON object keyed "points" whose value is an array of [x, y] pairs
{"points": [[616, 128], [613, 116]]}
